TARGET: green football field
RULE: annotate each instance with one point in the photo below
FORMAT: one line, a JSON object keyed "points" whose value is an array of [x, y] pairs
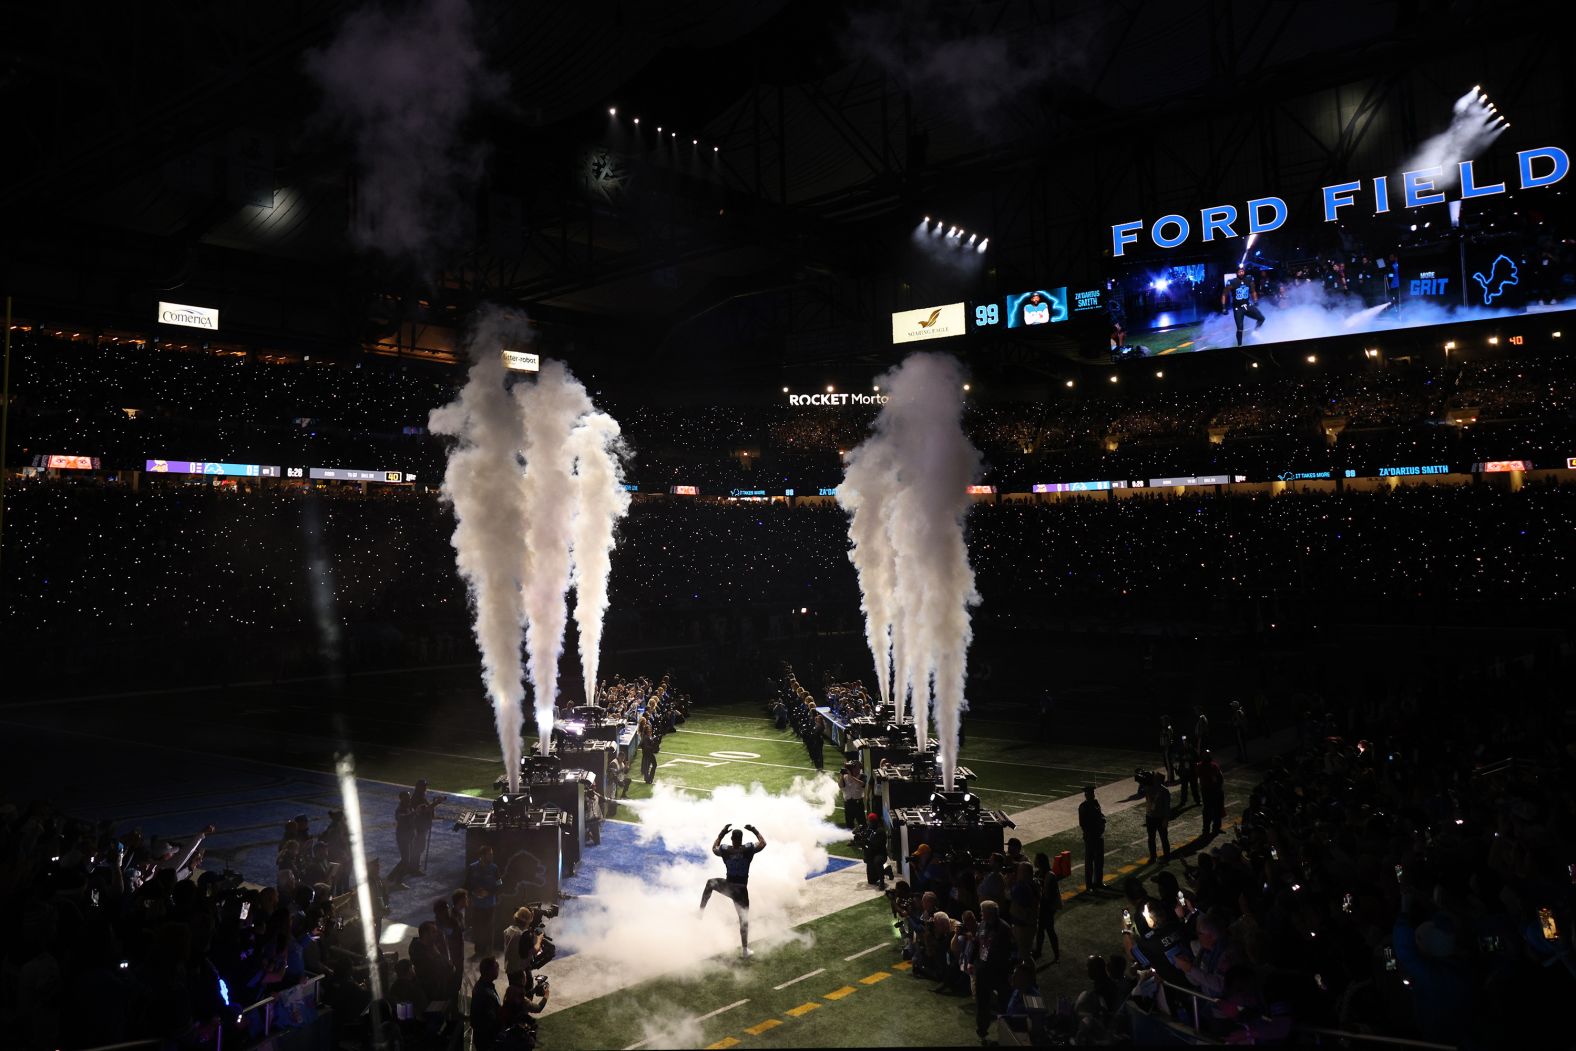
{"points": [[841, 984]]}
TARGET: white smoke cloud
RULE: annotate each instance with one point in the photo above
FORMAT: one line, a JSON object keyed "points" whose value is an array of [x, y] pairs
{"points": [[951, 64], [659, 1032], [600, 501], [916, 467], [634, 928], [549, 409], [400, 83], [484, 482], [1473, 127]]}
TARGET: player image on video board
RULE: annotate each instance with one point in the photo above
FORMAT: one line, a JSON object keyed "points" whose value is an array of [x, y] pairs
{"points": [[1040, 307]]}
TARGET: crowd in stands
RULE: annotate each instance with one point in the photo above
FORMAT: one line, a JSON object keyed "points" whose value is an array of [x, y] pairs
{"points": [[1398, 873], [111, 935], [126, 402], [159, 947], [370, 579]]}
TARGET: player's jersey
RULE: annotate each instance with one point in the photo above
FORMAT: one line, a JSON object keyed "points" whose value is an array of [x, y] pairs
{"points": [[1036, 314], [1242, 292], [737, 861]]}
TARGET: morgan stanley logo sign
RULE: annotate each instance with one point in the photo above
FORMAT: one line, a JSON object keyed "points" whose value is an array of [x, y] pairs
{"points": [[189, 316]]}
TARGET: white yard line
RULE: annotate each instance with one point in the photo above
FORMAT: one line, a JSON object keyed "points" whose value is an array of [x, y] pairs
{"points": [[795, 981], [720, 1010], [866, 952]]}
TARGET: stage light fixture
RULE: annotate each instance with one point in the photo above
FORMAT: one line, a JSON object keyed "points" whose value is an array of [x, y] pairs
{"points": [[1556, 335], [714, 149], [785, 390], [1160, 374], [973, 238], [1313, 359], [828, 388], [927, 220], [1113, 379], [965, 386], [1493, 341], [612, 111], [876, 388], [983, 243], [694, 142], [637, 120], [1253, 365], [1069, 383]]}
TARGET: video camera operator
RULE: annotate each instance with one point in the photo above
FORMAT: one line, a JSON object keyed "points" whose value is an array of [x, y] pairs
{"points": [[526, 943]]}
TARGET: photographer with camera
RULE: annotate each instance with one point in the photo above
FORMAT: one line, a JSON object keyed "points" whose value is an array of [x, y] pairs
{"points": [[424, 809], [516, 1019]]}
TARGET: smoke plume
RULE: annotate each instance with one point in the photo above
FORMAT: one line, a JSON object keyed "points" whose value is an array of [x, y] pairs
{"points": [[549, 409], [864, 494], [916, 467], [400, 82], [637, 927], [1473, 127], [600, 501], [484, 482]]}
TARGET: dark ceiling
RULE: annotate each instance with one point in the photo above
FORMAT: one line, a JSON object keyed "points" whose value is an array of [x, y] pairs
{"points": [[184, 151]]}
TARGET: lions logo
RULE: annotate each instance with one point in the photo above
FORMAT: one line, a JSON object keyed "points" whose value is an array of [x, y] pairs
{"points": [[1501, 274]]}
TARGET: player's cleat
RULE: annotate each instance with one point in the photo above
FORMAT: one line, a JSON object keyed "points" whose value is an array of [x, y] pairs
{"points": [[745, 954]]}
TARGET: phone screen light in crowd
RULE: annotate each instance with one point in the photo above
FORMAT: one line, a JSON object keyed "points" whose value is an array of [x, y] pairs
{"points": [[785, 390], [1460, 821], [1493, 341], [828, 388], [1113, 379], [1160, 374], [1253, 365], [124, 964], [1556, 334], [1313, 359], [966, 387]]}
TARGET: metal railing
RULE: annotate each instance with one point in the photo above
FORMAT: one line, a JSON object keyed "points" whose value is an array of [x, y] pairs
{"points": [[259, 1017], [1370, 1038], [1196, 995]]}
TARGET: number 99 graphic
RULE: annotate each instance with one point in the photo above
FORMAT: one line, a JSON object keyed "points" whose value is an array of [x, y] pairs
{"points": [[987, 314]]}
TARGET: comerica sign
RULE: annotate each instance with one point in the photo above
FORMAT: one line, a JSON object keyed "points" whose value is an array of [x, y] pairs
{"points": [[189, 316]]}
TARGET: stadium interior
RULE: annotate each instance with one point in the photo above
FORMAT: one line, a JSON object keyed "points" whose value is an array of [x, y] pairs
{"points": [[1267, 542]]}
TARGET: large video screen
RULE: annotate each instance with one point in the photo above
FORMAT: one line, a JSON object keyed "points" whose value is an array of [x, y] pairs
{"points": [[1445, 239]]}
